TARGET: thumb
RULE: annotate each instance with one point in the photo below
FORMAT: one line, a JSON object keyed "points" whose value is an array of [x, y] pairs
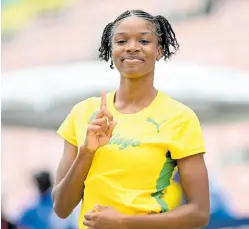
{"points": [[99, 208], [111, 128]]}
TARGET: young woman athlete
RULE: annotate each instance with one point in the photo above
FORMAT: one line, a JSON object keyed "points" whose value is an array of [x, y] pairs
{"points": [[121, 150]]}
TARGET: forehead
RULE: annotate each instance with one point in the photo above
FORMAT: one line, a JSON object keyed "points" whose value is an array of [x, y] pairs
{"points": [[134, 25]]}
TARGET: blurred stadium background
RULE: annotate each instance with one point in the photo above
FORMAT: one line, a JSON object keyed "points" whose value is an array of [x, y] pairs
{"points": [[50, 62]]}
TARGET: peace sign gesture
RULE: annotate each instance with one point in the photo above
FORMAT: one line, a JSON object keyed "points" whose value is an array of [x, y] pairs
{"points": [[100, 130]]}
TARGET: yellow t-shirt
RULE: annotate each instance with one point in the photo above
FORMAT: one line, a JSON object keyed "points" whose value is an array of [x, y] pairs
{"points": [[133, 172]]}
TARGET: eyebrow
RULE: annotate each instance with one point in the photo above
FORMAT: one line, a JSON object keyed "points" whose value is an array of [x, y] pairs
{"points": [[143, 33]]}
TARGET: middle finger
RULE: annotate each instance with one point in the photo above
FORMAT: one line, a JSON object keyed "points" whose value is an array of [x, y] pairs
{"points": [[101, 122], [108, 115]]}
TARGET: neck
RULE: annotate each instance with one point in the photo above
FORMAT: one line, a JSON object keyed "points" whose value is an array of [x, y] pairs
{"points": [[135, 91]]}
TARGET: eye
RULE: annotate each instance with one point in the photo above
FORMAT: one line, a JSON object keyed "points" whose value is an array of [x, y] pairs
{"points": [[144, 42], [121, 41]]}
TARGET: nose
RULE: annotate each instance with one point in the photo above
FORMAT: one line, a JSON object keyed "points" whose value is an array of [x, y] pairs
{"points": [[132, 46]]}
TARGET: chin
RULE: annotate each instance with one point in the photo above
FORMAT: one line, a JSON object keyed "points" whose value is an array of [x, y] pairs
{"points": [[132, 75]]}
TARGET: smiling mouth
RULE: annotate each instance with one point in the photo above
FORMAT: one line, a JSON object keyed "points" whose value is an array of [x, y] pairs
{"points": [[133, 59]]}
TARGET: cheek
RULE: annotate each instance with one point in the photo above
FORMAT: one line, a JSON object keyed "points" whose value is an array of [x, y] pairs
{"points": [[151, 52], [151, 59], [116, 51]]}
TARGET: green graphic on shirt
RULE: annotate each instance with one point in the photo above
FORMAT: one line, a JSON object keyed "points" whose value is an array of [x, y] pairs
{"points": [[123, 143], [152, 121], [93, 116], [116, 139], [164, 181]]}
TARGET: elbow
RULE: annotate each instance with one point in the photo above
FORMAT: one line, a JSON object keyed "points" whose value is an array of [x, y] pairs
{"points": [[202, 218], [60, 212]]}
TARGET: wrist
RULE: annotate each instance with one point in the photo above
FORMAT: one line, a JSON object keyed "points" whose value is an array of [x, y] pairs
{"points": [[85, 151], [125, 221]]}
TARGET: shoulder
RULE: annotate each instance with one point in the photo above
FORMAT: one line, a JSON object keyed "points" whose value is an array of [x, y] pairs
{"points": [[85, 105], [178, 109], [93, 101], [88, 106]]}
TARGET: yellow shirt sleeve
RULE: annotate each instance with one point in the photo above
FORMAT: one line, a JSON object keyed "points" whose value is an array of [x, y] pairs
{"points": [[67, 128], [187, 137]]}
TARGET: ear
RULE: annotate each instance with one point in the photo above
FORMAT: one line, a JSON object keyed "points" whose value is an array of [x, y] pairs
{"points": [[159, 53]]}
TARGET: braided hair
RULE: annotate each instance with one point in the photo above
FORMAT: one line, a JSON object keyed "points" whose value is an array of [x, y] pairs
{"points": [[163, 29]]}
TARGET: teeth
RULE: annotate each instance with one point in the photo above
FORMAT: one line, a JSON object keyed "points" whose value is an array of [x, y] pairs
{"points": [[131, 58]]}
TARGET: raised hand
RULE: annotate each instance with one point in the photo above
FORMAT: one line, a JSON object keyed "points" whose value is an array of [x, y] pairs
{"points": [[100, 130]]}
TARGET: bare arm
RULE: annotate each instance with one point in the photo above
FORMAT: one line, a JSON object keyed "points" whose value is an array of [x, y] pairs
{"points": [[74, 166], [69, 183], [195, 213]]}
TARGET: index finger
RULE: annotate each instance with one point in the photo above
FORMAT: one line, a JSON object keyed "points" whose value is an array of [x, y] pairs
{"points": [[103, 100]]}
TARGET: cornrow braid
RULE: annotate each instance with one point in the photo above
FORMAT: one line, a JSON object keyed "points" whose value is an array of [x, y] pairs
{"points": [[163, 30], [167, 37], [105, 48]]}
